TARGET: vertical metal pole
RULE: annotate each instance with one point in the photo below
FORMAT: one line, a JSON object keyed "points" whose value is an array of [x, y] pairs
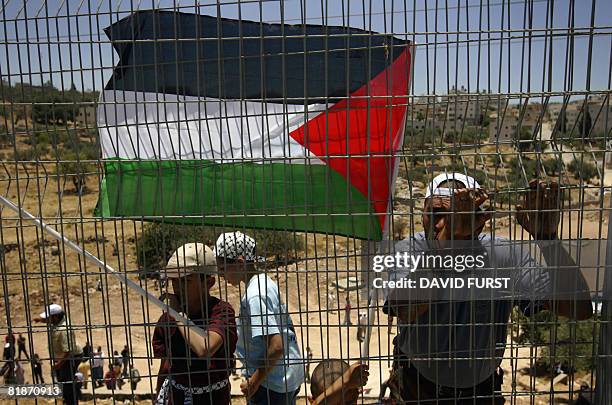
{"points": [[603, 387], [369, 295]]}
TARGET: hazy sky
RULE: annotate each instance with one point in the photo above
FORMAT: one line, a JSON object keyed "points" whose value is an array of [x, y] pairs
{"points": [[64, 40]]}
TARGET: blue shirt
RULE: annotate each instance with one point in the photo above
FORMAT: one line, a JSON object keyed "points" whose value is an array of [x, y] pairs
{"points": [[261, 314]]}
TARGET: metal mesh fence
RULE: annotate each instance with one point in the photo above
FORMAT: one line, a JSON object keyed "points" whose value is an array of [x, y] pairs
{"points": [[129, 130]]}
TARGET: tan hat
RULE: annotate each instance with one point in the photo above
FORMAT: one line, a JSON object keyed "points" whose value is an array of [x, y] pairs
{"points": [[190, 258]]}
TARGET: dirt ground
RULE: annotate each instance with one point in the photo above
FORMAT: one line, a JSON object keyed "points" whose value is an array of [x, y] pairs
{"points": [[33, 268]]}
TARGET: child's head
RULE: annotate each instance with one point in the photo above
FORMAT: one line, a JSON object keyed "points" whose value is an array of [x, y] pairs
{"points": [[324, 376], [191, 270], [235, 256]]}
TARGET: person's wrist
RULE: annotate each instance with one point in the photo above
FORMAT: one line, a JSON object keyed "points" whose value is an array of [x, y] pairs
{"points": [[254, 382]]}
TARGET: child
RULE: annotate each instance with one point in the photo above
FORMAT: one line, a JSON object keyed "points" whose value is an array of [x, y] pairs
{"points": [[194, 368], [267, 345], [334, 382], [84, 368]]}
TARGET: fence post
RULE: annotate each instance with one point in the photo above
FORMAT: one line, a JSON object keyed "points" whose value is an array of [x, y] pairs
{"points": [[369, 296], [603, 387]]}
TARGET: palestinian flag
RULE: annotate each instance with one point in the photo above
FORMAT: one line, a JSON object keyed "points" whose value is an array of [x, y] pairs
{"points": [[216, 121]]}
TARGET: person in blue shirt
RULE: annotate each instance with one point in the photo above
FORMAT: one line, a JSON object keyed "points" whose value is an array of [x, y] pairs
{"points": [[267, 346]]}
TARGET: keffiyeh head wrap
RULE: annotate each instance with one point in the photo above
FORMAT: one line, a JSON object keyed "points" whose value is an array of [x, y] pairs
{"points": [[435, 189], [232, 245]]}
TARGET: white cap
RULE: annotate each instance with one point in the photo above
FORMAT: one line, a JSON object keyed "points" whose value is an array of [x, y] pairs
{"points": [[435, 189], [52, 309], [232, 245], [190, 258]]}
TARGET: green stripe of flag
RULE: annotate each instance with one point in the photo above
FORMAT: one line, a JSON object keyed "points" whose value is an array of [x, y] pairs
{"points": [[270, 196]]}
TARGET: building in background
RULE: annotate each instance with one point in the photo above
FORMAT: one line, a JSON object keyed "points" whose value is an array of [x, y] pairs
{"points": [[600, 115], [453, 112], [86, 115], [508, 123], [463, 106], [503, 124]]}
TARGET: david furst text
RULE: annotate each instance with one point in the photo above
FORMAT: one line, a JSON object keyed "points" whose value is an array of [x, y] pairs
{"points": [[443, 282], [423, 261]]}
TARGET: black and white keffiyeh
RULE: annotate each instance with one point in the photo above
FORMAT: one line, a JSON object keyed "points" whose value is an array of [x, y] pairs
{"points": [[232, 245], [165, 392]]}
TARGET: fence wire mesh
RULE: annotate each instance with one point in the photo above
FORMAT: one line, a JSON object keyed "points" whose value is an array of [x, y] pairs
{"points": [[130, 130]]}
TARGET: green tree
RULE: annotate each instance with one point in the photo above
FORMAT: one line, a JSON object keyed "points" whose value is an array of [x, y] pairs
{"points": [[552, 167], [6, 138], [52, 105], [585, 123], [417, 173], [525, 169], [521, 171], [159, 240], [418, 139], [484, 120], [524, 139], [582, 169], [525, 142], [72, 167], [468, 136], [562, 342]]}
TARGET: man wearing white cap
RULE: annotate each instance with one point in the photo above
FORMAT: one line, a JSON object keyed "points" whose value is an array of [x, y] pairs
{"points": [[267, 344], [65, 350], [468, 197], [448, 351], [194, 369]]}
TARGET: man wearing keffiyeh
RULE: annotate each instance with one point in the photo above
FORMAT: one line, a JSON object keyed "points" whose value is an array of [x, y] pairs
{"points": [[441, 353]]}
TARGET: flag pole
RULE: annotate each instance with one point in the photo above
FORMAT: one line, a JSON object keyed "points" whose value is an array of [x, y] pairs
{"points": [[374, 295], [23, 214]]}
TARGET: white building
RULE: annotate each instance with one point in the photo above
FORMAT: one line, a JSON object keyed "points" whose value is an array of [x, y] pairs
{"points": [[86, 116], [469, 107], [505, 124]]}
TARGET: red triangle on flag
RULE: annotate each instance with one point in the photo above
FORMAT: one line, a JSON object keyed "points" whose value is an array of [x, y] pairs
{"points": [[359, 136]]}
